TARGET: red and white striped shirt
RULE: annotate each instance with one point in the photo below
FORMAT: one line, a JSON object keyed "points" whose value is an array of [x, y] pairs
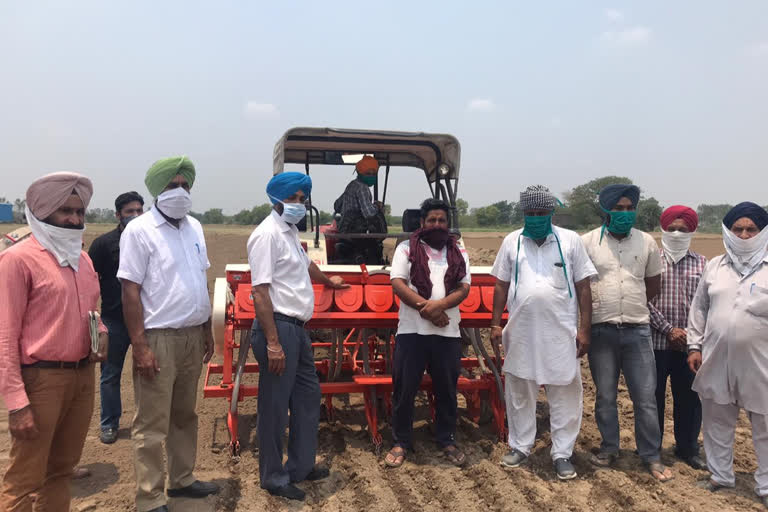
{"points": [[43, 313], [669, 309]]}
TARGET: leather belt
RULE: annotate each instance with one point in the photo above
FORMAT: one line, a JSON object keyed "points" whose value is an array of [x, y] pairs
{"points": [[620, 326], [290, 319], [70, 365]]}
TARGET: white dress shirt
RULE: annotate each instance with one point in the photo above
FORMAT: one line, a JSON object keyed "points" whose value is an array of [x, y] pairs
{"points": [[170, 265], [540, 335], [618, 293], [277, 259], [410, 319], [729, 323]]}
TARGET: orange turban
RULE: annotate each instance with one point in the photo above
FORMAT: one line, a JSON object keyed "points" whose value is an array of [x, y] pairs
{"points": [[47, 193], [367, 163]]}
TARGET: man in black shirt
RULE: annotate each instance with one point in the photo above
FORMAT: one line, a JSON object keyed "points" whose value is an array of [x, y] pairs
{"points": [[105, 253]]}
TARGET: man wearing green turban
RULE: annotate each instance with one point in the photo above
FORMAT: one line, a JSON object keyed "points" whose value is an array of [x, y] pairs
{"points": [[163, 171], [167, 311]]}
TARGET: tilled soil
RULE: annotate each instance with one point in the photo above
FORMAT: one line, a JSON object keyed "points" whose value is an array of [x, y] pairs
{"points": [[426, 482]]}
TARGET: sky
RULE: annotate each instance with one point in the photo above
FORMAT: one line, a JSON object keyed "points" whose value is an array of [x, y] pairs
{"points": [[670, 94]]}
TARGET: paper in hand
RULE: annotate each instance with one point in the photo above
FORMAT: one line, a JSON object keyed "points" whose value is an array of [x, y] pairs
{"points": [[93, 320]]}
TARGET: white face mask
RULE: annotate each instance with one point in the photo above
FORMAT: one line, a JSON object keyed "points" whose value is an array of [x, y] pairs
{"points": [[675, 244], [65, 244], [746, 255], [175, 203]]}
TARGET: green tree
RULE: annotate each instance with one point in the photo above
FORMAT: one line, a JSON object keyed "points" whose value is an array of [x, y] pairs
{"points": [[711, 216], [214, 216], [18, 210], [508, 212], [582, 200], [462, 207], [648, 213], [260, 212], [243, 217], [487, 215]]}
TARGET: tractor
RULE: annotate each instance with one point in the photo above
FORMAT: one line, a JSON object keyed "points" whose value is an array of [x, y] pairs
{"points": [[354, 359]]}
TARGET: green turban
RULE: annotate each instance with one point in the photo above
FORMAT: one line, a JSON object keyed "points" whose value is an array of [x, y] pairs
{"points": [[163, 171]]}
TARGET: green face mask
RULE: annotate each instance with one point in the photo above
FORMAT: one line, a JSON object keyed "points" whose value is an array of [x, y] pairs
{"points": [[621, 222], [537, 227], [368, 180]]}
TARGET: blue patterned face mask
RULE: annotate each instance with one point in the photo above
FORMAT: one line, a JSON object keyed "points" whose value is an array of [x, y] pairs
{"points": [[292, 212]]}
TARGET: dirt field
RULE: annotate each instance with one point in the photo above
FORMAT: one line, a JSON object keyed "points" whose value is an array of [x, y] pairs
{"points": [[359, 480]]}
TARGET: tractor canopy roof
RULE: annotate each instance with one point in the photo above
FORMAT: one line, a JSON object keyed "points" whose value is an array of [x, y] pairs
{"points": [[437, 155]]}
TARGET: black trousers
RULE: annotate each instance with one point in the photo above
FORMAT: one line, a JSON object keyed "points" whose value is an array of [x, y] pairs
{"points": [[441, 357], [673, 364]]}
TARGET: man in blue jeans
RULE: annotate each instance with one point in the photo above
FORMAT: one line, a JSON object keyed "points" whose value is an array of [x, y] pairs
{"points": [[105, 254], [629, 267]]}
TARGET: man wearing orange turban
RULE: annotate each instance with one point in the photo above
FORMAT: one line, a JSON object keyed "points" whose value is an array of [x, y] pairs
{"points": [[359, 214], [46, 375]]}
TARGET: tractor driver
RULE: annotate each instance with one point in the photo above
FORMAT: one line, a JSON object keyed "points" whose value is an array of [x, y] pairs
{"points": [[359, 214]]}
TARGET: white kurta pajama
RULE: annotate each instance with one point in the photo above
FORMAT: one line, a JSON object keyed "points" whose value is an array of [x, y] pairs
{"points": [[540, 336], [729, 323]]}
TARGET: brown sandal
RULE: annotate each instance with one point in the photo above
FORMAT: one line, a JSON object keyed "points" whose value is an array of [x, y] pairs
{"points": [[397, 452], [454, 455]]}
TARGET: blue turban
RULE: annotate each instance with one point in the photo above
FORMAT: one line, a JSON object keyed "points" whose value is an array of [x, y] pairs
{"points": [[284, 185], [611, 195], [757, 214]]}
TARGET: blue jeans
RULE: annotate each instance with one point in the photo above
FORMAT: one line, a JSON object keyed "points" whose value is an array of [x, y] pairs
{"points": [[111, 370], [630, 350]]}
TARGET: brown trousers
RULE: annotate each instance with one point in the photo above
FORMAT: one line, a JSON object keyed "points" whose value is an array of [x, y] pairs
{"points": [[40, 469], [165, 413]]}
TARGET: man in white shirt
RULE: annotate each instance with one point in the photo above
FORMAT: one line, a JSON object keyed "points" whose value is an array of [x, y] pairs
{"points": [[629, 268], [167, 312], [430, 275], [281, 276], [549, 299], [727, 338]]}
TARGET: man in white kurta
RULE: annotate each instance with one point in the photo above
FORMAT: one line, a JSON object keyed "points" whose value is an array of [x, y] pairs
{"points": [[543, 275], [728, 345]]}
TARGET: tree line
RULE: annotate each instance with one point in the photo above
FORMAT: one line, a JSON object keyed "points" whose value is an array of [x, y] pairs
{"points": [[580, 211]]}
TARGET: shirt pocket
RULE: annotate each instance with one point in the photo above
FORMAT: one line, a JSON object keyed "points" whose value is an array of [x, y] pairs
{"points": [[758, 301], [558, 277], [594, 287]]}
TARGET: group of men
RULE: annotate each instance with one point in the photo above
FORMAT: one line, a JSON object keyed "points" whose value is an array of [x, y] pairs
{"points": [[610, 294], [150, 273]]}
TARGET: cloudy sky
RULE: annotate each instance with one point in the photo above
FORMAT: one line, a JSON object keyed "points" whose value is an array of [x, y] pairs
{"points": [[671, 94]]}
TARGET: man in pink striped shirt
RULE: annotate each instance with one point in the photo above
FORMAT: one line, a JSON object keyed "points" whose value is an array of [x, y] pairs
{"points": [[47, 288]]}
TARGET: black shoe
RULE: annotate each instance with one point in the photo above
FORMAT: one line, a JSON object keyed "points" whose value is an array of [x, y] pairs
{"points": [[289, 491], [317, 473], [196, 490], [696, 462], [108, 435], [163, 508]]}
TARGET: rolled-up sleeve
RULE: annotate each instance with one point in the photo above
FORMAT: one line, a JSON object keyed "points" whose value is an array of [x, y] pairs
{"points": [[262, 257], [14, 283], [134, 256]]}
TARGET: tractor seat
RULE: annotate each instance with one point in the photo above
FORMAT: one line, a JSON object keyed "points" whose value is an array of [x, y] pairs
{"points": [[411, 220]]}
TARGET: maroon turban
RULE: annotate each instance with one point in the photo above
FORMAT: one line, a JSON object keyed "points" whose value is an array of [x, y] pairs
{"points": [[46, 194], [671, 214]]}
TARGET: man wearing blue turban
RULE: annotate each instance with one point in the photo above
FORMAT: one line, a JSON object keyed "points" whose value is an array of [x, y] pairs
{"points": [[727, 336], [283, 298], [629, 268]]}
